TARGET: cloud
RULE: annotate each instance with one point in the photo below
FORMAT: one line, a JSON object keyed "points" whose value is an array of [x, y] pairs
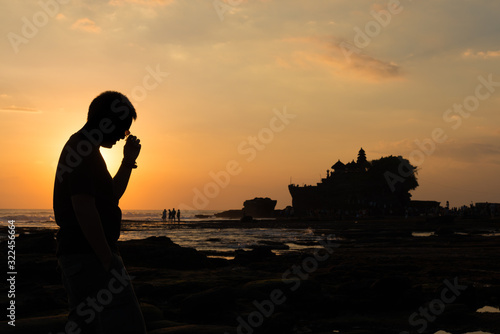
{"points": [[86, 25], [19, 109], [469, 53], [401, 147], [328, 52], [471, 153], [141, 2], [452, 152], [373, 67]]}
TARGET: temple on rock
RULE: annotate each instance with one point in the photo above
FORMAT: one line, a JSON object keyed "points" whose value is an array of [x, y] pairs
{"points": [[377, 187]]}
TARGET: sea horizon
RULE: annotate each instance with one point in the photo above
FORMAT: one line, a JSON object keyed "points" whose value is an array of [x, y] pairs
{"points": [[142, 224], [47, 215]]}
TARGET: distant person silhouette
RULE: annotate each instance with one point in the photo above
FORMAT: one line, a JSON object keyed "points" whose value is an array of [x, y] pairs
{"points": [[86, 209], [164, 215], [169, 215], [173, 215], [178, 216]]}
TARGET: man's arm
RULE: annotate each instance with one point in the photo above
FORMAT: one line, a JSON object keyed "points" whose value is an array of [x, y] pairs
{"points": [[131, 151], [120, 181], [90, 223]]}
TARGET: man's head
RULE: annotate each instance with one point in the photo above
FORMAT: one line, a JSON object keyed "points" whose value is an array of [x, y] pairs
{"points": [[111, 113]]}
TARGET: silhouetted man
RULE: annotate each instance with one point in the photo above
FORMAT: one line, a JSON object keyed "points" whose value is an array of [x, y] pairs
{"points": [[86, 209]]}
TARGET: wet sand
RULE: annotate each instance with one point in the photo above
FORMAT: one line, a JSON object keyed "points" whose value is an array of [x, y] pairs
{"points": [[374, 276]]}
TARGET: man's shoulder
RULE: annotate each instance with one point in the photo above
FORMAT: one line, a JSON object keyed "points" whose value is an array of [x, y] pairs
{"points": [[79, 146], [78, 156], [78, 137]]}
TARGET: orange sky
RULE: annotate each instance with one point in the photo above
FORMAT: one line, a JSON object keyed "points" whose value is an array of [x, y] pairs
{"points": [[234, 102]]}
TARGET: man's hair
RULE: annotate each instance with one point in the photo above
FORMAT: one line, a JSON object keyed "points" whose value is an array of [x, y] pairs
{"points": [[112, 105]]}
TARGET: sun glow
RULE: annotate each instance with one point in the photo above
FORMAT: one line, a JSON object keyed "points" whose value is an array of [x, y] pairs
{"points": [[113, 157]]}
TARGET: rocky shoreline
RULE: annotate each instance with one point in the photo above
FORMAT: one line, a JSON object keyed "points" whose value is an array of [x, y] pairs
{"points": [[369, 276]]}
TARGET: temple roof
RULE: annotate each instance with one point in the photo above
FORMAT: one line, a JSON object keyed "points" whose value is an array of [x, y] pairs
{"points": [[351, 164], [338, 165]]}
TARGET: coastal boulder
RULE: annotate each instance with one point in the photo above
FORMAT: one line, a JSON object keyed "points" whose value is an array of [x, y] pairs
{"points": [[214, 303], [194, 329], [43, 242], [257, 254], [260, 207], [395, 292], [161, 252]]}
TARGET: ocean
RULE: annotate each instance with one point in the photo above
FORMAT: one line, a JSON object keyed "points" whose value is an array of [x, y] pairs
{"points": [[45, 217], [141, 224]]}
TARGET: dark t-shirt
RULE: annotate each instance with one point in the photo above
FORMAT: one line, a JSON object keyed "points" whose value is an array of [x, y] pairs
{"points": [[82, 170]]}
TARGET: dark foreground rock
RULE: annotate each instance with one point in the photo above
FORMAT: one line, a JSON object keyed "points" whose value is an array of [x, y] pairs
{"points": [[380, 280], [161, 252]]}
